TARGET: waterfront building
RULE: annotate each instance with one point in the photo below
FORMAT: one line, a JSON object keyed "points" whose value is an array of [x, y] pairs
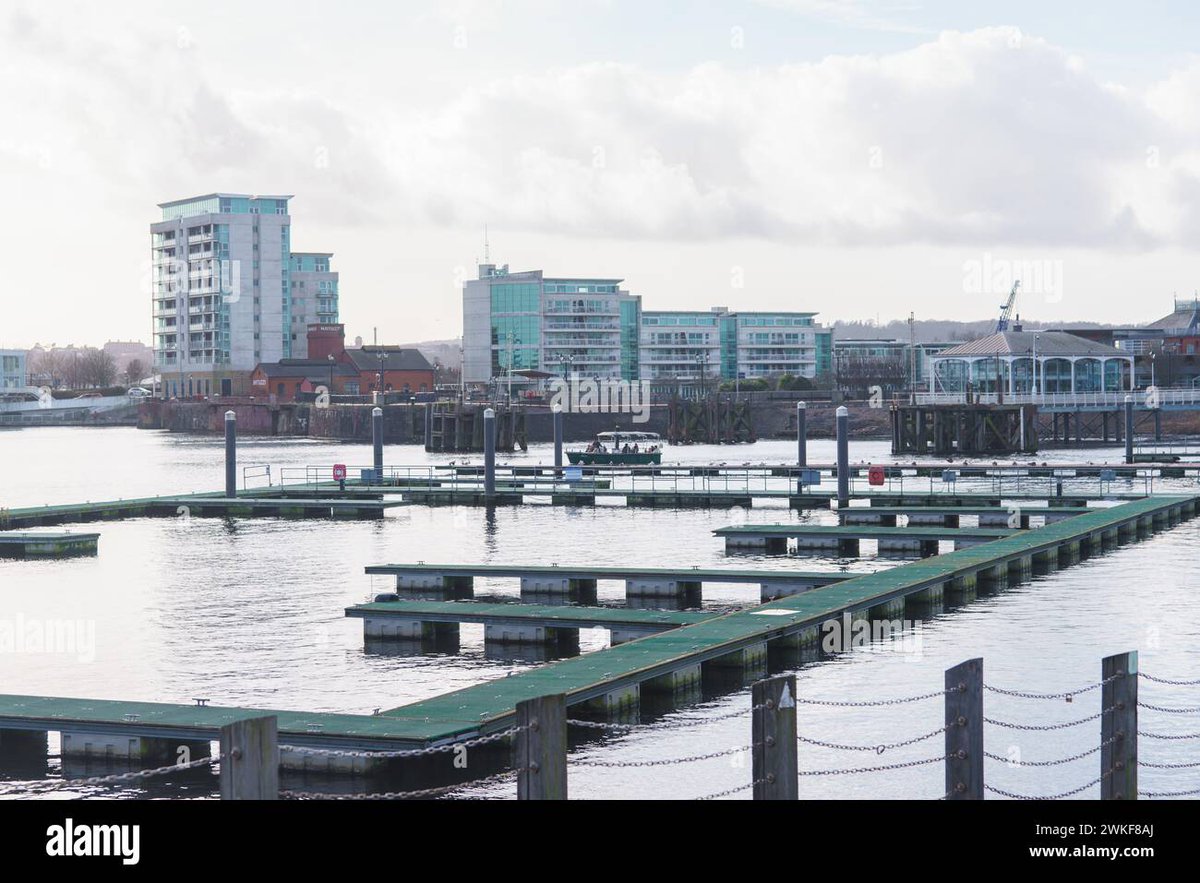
{"points": [[314, 290], [13, 374], [528, 322], [1032, 362], [523, 327], [222, 299], [353, 372]]}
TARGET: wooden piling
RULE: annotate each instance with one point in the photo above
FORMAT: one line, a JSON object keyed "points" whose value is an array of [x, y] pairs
{"points": [[776, 773], [1118, 727], [250, 759], [964, 731], [541, 748]]}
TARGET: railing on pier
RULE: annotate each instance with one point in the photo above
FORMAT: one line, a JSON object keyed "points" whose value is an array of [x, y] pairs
{"points": [[256, 476], [749, 481], [1112, 400], [958, 740]]}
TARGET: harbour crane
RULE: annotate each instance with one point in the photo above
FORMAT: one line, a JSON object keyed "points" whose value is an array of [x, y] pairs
{"points": [[1006, 308]]}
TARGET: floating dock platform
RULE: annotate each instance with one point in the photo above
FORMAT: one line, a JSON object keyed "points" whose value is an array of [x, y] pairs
{"points": [[48, 545]]}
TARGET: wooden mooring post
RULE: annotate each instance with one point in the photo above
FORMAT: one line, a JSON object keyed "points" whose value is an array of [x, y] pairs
{"points": [[540, 748], [776, 771], [250, 759], [964, 731], [1119, 727]]}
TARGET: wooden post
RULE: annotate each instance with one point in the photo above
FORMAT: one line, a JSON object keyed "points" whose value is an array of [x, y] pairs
{"points": [[776, 772], [964, 731], [1119, 727], [541, 748], [250, 760]]}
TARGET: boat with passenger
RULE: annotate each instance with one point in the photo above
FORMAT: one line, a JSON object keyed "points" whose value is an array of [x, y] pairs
{"points": [[620, 448]]}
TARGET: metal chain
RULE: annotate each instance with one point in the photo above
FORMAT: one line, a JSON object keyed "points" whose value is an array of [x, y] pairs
{"points": [[1193, 710], [1068, 695], [878, 749], [875, 702], [598, 725], [875, 769], [447, 748], [397, 795], [1011, 726], [668, 761], [1008, 761], [1063, 795], [1173, 738], [1142, 674], [1191, 793], [729, 791], [124, 778], [1169, 766]]}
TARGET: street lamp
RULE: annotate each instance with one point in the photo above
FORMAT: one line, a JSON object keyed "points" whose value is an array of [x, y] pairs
{"points": [[1153, 355], [702, 369], [512, 341], [1035, 364], [331, 364]]}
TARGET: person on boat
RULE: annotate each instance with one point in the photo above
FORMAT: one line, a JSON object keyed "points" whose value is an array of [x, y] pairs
{"points": [[625, 450], [635, 447]]}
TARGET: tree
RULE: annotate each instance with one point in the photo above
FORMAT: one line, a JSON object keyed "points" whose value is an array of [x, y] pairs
{"points": [[858, 375], [46, 368], [134, 372], [96, 368]]}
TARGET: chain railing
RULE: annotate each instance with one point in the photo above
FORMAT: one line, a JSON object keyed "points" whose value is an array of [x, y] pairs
{"points": [[248, 761]]}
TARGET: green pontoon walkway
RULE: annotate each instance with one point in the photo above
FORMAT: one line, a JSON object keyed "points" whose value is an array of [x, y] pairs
{"points": [[560, 616], [489, 707]]}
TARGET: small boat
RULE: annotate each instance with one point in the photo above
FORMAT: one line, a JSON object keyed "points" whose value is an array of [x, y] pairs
{"points": [[608, 449]]}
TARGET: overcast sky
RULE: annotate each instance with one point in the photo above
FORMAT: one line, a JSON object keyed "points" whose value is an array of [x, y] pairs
{"points": [[859, 159]]}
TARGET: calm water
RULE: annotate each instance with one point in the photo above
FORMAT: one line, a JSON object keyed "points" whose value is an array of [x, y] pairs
{"points": [[250, 613]]}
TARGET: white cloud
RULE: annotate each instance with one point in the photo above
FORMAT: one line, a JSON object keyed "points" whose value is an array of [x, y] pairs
{"points": [[986, 137]]}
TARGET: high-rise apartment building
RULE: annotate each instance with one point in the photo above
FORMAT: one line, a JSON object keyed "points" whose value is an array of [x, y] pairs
{"points": [[222, 267], [314, 288]]}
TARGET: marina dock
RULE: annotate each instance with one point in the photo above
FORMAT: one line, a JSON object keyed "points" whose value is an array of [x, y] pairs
{"points": [[845, 540], [613, 679], [48, 545], [575, 582]]}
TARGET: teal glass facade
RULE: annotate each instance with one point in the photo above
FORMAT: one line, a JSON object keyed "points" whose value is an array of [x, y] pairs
{"points": [[516, 327], [630, 314]]}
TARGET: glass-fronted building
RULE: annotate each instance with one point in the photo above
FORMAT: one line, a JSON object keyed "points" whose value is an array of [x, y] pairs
{"points": [[526, 322], [222, 294], [1031, 362], [12, 370]]}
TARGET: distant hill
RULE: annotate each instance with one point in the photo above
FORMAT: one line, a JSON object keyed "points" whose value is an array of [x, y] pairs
{"points": [[936, 330], [447, 353]]}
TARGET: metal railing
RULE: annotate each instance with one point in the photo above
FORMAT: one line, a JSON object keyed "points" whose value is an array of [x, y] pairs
{"points": [[1067, 399]]}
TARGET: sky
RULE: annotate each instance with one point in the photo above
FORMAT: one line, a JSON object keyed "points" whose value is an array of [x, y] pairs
{"points": [[860, 159]]}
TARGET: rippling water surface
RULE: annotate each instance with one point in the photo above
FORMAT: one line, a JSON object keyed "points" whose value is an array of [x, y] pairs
{"points": [[251, 613]]}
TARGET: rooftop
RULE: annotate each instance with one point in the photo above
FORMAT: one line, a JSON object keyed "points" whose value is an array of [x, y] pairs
{"points": [[1023, 343], [225, 196], [395, 358]]}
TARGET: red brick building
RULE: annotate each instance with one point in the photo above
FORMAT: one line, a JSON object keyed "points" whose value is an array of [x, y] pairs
{"points": [[354, 372]]}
